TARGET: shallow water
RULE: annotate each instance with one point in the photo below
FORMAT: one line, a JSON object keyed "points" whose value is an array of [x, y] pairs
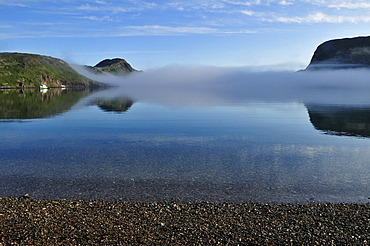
{"points": [[85, 145]]}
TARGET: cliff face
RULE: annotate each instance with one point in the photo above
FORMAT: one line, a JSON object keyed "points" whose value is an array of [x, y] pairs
{"points": [[30, 70], [342, 53], [115, 66]]}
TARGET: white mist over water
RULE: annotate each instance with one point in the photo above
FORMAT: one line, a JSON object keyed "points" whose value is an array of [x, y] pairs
{"points": [[206, 85]]}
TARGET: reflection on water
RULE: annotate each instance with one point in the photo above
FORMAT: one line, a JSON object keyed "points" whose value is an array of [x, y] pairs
{"points": [[32, 103], [117, 105], [240, 151], [341, 120]]}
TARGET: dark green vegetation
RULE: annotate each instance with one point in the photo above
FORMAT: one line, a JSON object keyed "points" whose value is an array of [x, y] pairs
{"points": [[30, 70], [342, 53], [30, 104], [25, 221], [115, 66]]}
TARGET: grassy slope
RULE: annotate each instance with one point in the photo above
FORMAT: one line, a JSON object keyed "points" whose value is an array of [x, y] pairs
{"points": [[32, 70]]}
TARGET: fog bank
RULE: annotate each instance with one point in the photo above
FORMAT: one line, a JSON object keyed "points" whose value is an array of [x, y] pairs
{"points": [[202, 85]]}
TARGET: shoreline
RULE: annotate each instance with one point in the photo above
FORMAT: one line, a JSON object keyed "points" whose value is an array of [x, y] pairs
{"points": [[55, 222], [166, 190]]}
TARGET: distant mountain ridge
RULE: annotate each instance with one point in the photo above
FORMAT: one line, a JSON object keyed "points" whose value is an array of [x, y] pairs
{"points": [[117, 66], [342, 53], [31, 70]]}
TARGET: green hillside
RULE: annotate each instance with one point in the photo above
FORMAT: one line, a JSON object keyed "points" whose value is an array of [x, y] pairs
{"points": [[33, 70]]}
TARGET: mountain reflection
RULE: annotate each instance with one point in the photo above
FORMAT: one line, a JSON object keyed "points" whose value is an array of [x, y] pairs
{"points": [[31, 103], [340, 120], [118, 105], [333, 119]]}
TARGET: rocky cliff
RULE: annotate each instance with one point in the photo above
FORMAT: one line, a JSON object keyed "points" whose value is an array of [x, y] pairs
{"points": [[342, 53], [115, 66], [30, 70]]}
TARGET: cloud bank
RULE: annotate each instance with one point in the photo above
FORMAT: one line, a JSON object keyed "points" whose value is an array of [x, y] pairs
{"points": [[201, 85]]}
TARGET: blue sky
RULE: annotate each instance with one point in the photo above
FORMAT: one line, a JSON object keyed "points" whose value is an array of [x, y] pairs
{"points": [[273, 34]]}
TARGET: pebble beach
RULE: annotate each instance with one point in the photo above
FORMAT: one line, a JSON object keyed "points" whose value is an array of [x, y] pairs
{"points": [[26, 221]]}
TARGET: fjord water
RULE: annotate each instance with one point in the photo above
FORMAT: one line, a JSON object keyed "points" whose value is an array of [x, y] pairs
{"points": [[132, 145]]}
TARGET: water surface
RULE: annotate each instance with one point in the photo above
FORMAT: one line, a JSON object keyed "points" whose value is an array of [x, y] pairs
{"points": [[86, 145]]}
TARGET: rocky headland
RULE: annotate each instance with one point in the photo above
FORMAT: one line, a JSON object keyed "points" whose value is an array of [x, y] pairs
{"points": [[342, 54]]}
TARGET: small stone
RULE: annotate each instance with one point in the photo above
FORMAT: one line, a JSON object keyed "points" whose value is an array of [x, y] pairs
{"points": [[25, 196]]}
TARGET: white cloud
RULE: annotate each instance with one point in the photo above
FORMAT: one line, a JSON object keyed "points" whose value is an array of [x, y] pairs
{"points": [[251, 13], [156, 30], [100, 2], [115, 9], [284, 2], [196, 5], [166, 30], [180, 17], [95, 18], [357, 5], [126, 6], [245, 3], [338, 4], [240, 32], [6, 26], [324, 15], [320, 17], [7, 3], [247, 12], [88, 7], [177, 5]]}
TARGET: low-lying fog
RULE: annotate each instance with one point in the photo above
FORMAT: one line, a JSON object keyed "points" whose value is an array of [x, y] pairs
{"points": [[202, 85]]}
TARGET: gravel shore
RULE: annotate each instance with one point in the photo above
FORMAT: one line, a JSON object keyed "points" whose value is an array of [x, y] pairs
{"points": [[25, 221]]}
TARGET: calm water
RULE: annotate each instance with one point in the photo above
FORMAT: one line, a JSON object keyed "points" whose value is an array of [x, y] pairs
{"points": [[79, 144]]}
